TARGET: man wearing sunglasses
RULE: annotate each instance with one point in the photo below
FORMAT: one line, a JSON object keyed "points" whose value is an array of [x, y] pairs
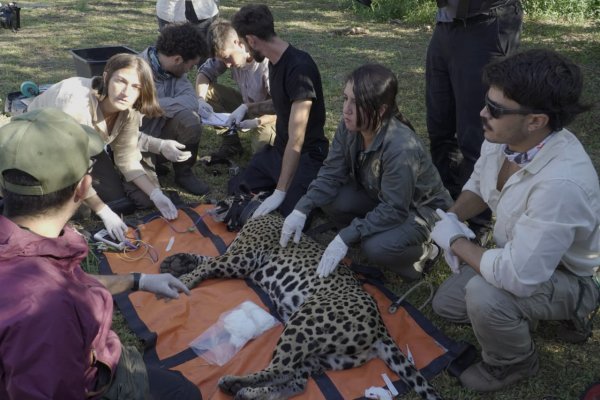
{"points": [[537, 179]]}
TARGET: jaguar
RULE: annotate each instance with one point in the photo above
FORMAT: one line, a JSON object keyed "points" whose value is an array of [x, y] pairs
{"points": [[331, 323]]}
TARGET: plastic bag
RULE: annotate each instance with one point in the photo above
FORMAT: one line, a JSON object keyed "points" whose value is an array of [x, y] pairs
{"points": [[234, 328]]}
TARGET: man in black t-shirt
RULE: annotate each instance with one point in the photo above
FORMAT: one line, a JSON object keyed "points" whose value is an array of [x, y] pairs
{"points": [[300, 145]]}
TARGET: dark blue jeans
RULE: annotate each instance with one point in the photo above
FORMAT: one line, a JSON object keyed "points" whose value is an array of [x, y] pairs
{"points": [[455, 93], [262, 174]]}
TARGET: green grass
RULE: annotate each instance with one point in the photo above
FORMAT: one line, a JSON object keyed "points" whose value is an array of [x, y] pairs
{"points": [[39, 52]]}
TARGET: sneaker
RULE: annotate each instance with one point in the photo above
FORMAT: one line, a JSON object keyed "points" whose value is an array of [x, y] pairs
{"points": [[483, 377], [428, 259]]}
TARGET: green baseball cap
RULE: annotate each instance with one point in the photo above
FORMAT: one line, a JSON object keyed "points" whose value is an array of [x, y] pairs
{"points": [[49, 145]]}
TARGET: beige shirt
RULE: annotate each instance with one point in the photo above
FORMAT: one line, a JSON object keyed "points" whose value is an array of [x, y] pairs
{"points": [[76, 97], [547, 213]]}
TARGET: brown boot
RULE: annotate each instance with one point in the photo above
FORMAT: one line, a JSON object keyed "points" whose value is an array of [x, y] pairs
{"points": [[483, 377]]}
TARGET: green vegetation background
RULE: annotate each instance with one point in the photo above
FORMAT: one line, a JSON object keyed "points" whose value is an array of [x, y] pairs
{"points": [[398, 33]]}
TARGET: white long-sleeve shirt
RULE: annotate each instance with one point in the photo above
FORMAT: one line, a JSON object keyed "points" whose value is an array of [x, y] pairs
{"points": [[548, 213], [174, 10]]}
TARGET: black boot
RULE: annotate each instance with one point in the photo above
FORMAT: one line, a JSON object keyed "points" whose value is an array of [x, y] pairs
{"points": [[231, 146], [184, 176]]}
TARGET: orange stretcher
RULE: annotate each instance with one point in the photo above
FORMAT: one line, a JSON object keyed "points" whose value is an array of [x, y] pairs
{"points": [[167, 328]]}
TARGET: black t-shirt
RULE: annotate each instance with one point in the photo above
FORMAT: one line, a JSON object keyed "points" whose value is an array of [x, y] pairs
{"points": [[296, 77]]}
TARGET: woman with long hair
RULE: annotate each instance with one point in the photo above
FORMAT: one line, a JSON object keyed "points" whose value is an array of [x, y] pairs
{"points": [[378, 183], [113, 105]]}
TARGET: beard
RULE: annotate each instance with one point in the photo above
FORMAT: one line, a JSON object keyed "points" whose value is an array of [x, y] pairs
{"points": [[258, 56]]}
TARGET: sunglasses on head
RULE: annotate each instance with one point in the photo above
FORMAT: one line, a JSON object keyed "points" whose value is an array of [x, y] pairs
{"points": [[497, 111]]}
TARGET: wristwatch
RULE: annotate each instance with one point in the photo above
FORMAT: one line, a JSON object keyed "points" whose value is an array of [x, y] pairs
{"points": [[136, 281]]}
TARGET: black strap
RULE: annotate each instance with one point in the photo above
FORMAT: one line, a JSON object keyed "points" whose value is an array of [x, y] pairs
{"points": [[205, 230]]}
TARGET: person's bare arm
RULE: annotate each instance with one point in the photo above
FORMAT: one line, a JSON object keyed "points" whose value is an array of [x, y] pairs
{"points": [[296, 133], [115, 284], [468, 205], [202, 84], [261, 108]]}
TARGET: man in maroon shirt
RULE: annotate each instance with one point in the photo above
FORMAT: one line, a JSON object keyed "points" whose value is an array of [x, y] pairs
{"points": [[56, 340]]}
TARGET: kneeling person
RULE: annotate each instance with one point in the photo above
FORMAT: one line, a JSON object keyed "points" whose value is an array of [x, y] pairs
{"points": [[378, 182]]}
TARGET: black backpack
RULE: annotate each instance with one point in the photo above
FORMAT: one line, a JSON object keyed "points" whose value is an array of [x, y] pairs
{"points": [[10, 16]]}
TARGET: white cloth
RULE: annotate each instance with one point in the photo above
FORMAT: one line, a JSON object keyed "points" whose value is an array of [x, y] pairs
{"points": [[174, 10], [547, 213]]}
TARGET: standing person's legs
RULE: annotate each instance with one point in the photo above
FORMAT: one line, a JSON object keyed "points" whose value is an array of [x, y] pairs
{"points": [[441, 108]]}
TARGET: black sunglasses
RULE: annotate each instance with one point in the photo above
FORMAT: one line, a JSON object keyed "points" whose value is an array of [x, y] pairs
{"points": [[496, 111]]}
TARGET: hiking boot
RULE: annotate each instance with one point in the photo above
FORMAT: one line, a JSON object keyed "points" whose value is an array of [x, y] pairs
{"points": [[190, 183], [483, 377], [571, 332], [184, 176], [231, 146]]}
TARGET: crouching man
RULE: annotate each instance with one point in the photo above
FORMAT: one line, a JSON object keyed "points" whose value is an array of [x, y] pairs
{"points": [[541, 185], [56, 340]]}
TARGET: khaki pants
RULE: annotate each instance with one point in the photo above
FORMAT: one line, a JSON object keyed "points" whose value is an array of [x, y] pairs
{"points": [[225, 99], [501, 321], [130, 381]]}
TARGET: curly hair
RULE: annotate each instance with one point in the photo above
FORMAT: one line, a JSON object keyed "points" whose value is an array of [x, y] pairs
{"points": [[182, 39], [540, 79]]}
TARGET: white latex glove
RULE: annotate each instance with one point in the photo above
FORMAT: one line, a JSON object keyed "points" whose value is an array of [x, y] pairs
{"points": [[448, 229], [445, 231], [163, 285], [205, 110], [163, 203], [113, 223], [293, 224], [270, 203], [171, 149], [249, 123], [237, 115], [332, 256]]}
